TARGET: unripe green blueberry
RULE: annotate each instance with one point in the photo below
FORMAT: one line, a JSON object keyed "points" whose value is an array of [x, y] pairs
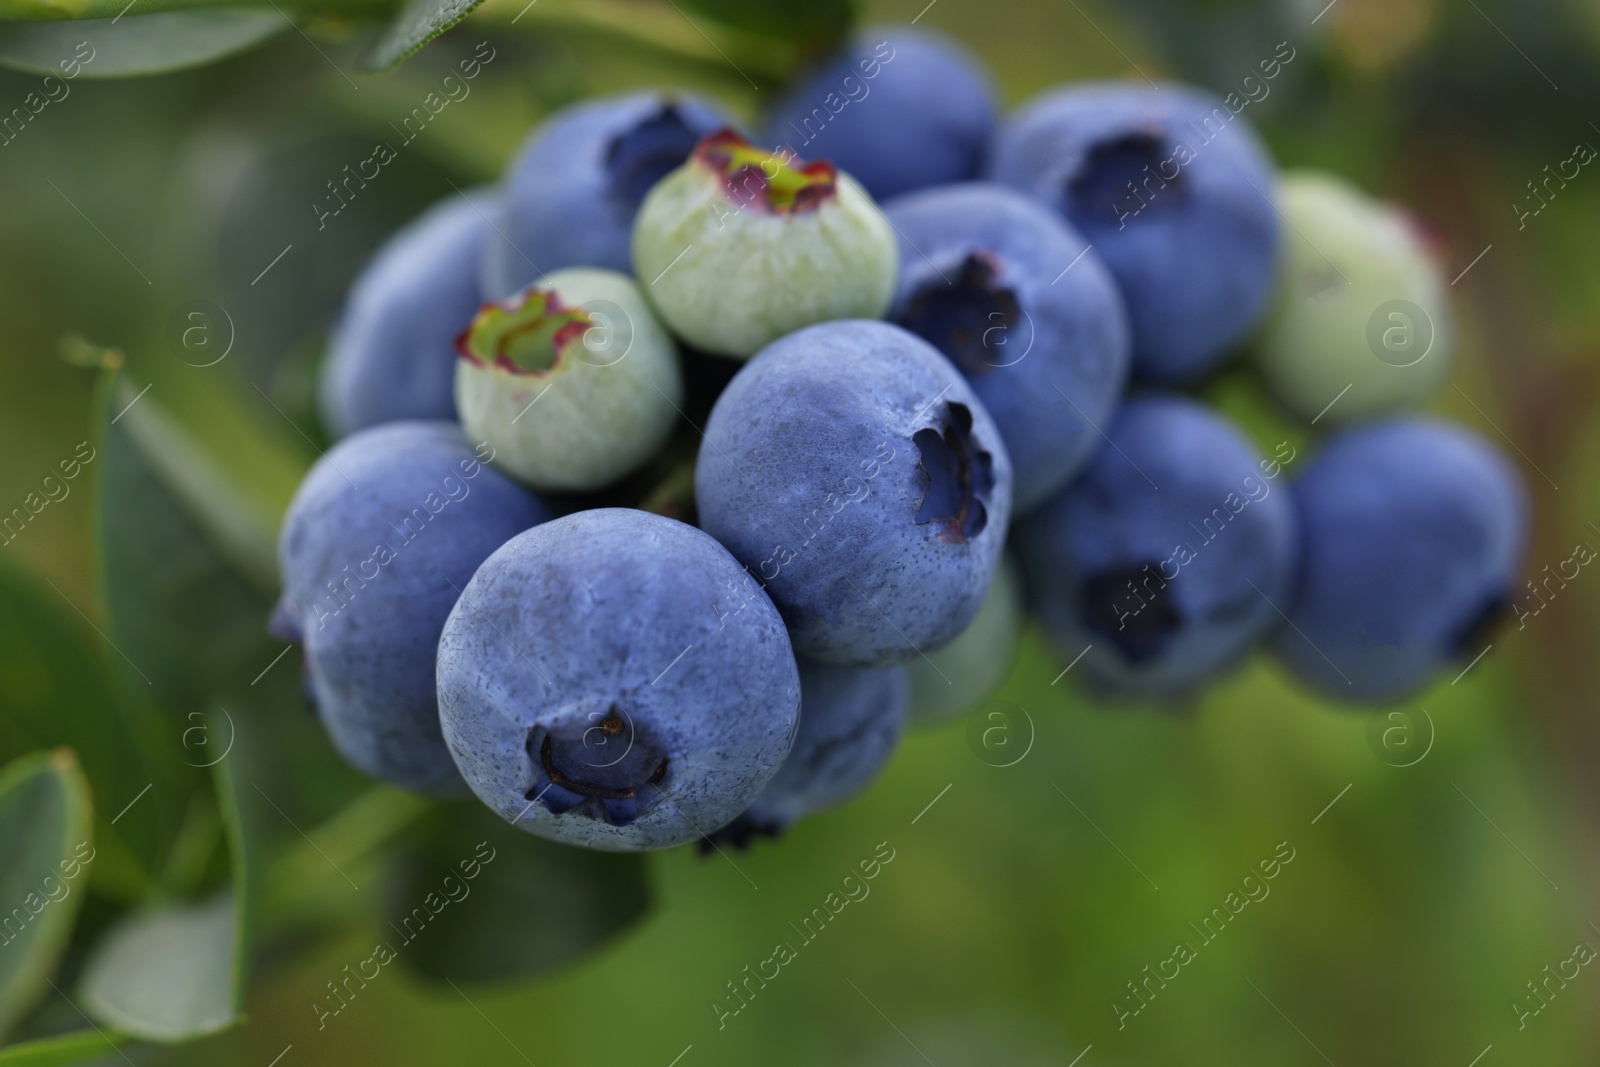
{"points": [[1360, 303], [572, 381], [740, 246], [953, 679]]}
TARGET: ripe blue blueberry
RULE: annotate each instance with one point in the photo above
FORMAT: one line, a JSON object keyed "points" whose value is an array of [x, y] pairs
{"points": [[852, 470], [1414, 532], [1165, 558], [615, 679], [570, 196], [392, 353], [1174, 191], [382, 535], [1026, 310], [898, 108], [740, 245], [851, 719]]}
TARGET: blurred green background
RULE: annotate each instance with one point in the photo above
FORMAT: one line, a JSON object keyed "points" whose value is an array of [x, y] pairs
{"points": [[1437, 867]]}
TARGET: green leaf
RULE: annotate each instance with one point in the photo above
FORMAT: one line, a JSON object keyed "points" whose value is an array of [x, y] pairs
{"points": [[78, 1047], [280, 777], [177, 538], [420, 22], [166, 974], [110, 11], [138, 44], [626, 26], [55, 690], [245, 863], [274, 199], [308, 879], [473, 899], [814, 26], [244, 868], [241, 528], [45, 832]]}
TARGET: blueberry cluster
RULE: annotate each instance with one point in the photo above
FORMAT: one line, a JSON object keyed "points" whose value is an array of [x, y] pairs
{"points": [[678, 470]]}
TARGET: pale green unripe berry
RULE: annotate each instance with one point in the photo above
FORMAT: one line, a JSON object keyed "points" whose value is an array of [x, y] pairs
{"points": [[955, 678], [572, 382], [737, 247], [1360, 303]]}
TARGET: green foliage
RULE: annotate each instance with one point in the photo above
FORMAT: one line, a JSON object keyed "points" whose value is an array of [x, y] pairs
{"points": [[180, 533], [170, 35], [45, 833], [79, 1047], [187, 39], [1405, 908], [244, 872], [814, 26], [140, 44], [166, 974], [169, 593], [420, 22], [531, 906], [57, 690], [276, 198]]}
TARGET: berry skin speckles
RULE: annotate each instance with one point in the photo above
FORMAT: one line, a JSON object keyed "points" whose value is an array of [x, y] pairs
{"points": [[853, 471], [1024, 307], [851, 719], [378, 541], [615, 679]]}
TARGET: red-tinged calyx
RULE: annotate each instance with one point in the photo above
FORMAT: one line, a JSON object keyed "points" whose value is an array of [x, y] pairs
{"points": [[526, 334], [766, 180]]}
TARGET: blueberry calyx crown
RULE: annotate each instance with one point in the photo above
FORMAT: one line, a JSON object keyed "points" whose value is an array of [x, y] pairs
{"points": [[960, 476], [967, 317], [646, 152], [528, 333], [769, 181], [575, 768], [1125, 176], [1128, 606]]}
